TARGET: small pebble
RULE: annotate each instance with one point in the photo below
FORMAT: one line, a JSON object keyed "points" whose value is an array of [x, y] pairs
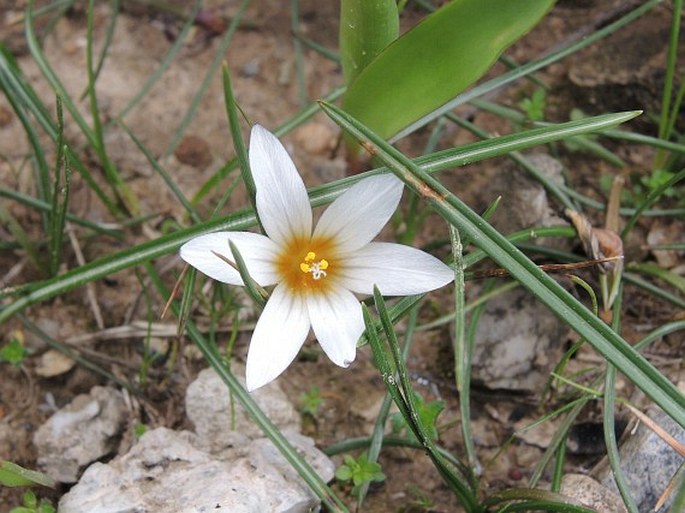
{"points": [[515, 474], [194, 151], [5, 116], [250, 69]]}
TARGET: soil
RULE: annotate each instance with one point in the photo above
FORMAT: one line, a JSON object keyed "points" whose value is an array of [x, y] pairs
{"points": [[262, 65]]}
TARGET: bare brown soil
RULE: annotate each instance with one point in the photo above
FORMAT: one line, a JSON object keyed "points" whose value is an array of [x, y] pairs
{"points": [[262, 64]]}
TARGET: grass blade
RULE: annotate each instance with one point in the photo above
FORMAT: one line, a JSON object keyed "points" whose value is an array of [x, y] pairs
{"points": [[219, 56], [440, 161], [616, 350], [218, 363]]}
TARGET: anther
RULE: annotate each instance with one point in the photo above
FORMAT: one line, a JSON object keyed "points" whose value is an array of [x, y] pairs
{"points": [[317, 269]]}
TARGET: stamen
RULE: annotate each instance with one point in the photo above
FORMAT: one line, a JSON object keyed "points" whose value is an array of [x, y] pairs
{"points": [[317, 269]]}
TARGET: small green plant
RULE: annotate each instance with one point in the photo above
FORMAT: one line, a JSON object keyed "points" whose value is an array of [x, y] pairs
{"points": [[359, 471], [420, 501], [32, 505], [428, 414], [311, 401], [13, 475], [139, 429], [658, 178], [534, 107], [641, 188], [13, 352]]}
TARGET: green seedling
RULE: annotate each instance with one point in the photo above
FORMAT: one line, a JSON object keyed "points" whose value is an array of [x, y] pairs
{"points": [[534, 107], [139, 429], [13, 352], [32, 505], [428, 414], [311, 401], [359, 471]]}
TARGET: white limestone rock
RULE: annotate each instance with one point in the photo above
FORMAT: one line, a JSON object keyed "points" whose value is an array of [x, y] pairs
{"points": [[82, 432], [215, 469], [518, 343], [220, 420], [591, 494]]}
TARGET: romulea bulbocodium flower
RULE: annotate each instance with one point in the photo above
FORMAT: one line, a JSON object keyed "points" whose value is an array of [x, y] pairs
{"points": [[315, 271]]}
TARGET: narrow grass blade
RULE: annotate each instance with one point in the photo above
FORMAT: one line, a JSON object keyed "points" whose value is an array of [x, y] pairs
{"points": [[440, 161], [164, 175], [32, 202], [651, 198], [549, 184], [292, 123], [608, 423], [97, 140], [219, 56], [51, 77], [74, 355], [462, 352], [297, 50], [378, 435], [42, 170], [21, 96], [60, 204], [453, 477], [164, 63], [652, 288], [653, 269], [671, 62], [109, 35], [237, 137], [257, 293], [616, 350], [217, 362], [20, 235]]}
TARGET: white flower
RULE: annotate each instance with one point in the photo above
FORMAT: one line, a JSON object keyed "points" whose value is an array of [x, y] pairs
{"points": [[316, 273]]}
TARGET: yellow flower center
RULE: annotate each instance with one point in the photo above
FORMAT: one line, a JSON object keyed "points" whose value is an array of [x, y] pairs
{"points": [[307, 265], [317, 269]]}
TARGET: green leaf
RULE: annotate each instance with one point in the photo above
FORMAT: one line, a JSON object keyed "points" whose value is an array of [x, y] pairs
{"points": [[311, 401], [13, 352], [428, 414], [360, 471], [436, 60], [343, 473], [611, 345], [534, 106], [652, 269], [366, 28], [242, 220], [12, 474]]}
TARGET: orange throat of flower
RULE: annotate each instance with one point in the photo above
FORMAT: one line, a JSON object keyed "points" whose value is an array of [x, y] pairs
{"points": [[307, 265]]}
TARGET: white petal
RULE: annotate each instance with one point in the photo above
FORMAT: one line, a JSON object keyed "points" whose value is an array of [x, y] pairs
{"points": [[397, 270], [257, 251], [338, 323], [277, 338], [357, 216], [282, 201]]}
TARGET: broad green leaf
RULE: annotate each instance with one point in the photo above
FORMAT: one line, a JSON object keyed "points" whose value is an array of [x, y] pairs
{"points": [[366, 28], [12, 474], [436, 60]]}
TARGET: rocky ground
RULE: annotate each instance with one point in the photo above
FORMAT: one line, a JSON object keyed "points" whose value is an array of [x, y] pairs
{"points": [[49, 404]]}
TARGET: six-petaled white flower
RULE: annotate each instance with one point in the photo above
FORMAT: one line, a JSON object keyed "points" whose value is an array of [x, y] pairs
{"points": [[316, 272]]}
